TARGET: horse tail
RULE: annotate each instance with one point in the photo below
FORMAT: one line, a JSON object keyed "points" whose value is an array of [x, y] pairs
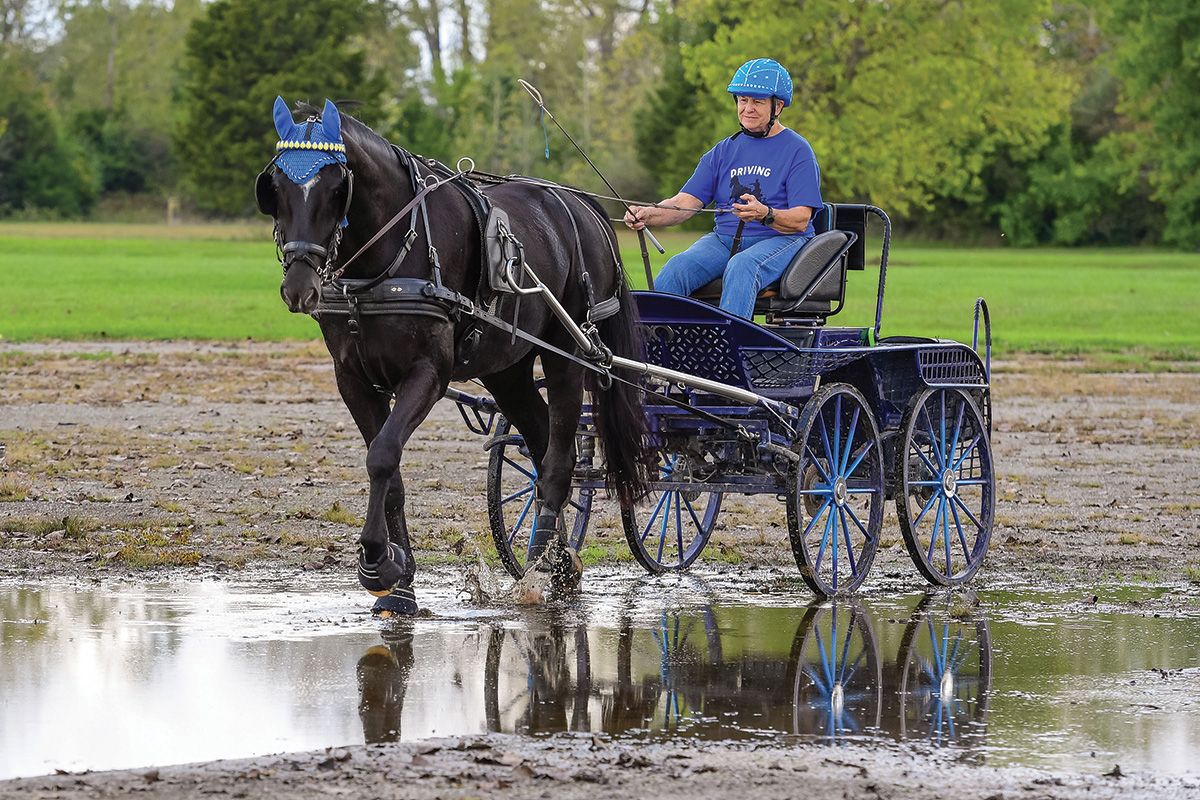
{"points": [[619, 415]]}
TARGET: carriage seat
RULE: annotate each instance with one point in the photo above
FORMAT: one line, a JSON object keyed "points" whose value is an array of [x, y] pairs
{"points": [[814, 284]]}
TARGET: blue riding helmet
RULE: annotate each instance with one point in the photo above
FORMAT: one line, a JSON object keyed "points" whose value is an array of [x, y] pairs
{"points": [[762, 77]]}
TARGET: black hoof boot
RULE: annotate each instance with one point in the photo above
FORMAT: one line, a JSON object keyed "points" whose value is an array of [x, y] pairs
{"points": [[401, 602], [545, 528], [380, 577]]}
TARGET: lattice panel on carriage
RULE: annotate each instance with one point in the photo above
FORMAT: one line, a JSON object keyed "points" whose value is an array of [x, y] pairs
{"points": [[701, 350], [956, 366], [786, 369], [776, 369]]}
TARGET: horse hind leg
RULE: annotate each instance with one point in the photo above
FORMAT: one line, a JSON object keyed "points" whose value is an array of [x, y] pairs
{"points": [[517, 394], [564, 388]]}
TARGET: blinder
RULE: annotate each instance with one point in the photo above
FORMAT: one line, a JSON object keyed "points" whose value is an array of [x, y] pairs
{"points": [[319, 258], [264, 192], [302, 151]]}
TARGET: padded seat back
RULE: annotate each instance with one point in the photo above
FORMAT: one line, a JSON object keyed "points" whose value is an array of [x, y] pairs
{"points": [[814, 284]]}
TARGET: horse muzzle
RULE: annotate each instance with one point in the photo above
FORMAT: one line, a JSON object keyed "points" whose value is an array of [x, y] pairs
{"points": [[300, 296], [301, 288]]}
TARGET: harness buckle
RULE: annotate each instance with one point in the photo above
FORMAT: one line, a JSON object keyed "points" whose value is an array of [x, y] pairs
{"points": [[352, 320]]}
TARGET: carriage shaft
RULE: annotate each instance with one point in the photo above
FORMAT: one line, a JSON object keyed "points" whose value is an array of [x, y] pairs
{"points": [[703, 384]]}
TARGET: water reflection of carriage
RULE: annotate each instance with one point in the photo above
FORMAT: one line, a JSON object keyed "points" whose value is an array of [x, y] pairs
{"points": [[671, 670], [672, 677], [835, 420]]}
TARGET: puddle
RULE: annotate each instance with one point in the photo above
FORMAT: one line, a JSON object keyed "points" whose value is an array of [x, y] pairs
{"points": [[125, 676]]}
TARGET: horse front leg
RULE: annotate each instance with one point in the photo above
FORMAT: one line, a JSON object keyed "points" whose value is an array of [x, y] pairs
{"points": [[385, 564]]}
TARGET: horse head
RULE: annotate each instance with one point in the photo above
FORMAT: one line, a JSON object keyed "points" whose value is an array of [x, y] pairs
{"points": [[308, 193]]}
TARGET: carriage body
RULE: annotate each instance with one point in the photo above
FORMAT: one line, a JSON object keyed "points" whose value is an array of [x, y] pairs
{"points": [[845, 423]]}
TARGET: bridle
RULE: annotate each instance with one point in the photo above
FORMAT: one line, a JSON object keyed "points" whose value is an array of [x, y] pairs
{"points": [[319, 258]]}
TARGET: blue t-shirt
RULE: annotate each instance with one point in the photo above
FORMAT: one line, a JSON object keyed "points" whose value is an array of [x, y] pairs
{"points": [[780, 170]]}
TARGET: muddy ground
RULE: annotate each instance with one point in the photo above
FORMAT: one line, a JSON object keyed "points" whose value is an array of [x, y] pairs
{"points": [[181, 461]]}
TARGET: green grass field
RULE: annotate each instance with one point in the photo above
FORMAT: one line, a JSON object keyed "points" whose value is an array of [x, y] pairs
{"points": [[79, 281]]}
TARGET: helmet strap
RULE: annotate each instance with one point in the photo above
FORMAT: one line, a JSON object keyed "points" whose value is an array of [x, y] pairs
{"points": [[770, 123]]}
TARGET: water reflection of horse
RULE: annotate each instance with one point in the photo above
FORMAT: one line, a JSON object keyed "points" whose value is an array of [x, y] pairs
{"points": [[383, 673], [400, 316]]}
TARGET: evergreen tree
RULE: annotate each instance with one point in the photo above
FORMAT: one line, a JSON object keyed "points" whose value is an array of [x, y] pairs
{"points": [[238, 58]]}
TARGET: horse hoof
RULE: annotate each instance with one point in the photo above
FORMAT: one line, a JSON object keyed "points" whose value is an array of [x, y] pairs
{"points": [[568, 573], [380, 578], [402, 601]]}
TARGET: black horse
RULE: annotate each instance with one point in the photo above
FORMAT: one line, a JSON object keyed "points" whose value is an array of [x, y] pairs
{"points": [[336, 185]]}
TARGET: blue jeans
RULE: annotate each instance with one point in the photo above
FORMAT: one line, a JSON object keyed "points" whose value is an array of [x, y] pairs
{"points": [[760, 261]]}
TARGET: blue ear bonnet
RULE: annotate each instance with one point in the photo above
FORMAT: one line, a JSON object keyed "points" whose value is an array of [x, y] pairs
{"points": [[305, 148]]}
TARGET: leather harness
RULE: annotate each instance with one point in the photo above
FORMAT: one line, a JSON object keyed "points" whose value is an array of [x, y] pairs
{"points": [[502, 255]]}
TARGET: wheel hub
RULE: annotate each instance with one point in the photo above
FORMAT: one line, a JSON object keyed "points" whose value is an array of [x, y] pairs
{"points": [[949, 482], [840, 493]]}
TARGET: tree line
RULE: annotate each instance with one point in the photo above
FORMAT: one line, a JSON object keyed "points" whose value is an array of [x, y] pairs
{"points": [[1025, 121]]}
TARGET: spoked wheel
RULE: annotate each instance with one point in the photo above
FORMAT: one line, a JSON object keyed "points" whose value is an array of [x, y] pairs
{"points": [[837, 684], [947, 490], [512, 510], [836, 491], [668, 528], [945, 660]]}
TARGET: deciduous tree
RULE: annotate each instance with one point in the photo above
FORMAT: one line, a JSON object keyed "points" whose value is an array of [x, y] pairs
{"points": [[904, 102], [1159, 59]]}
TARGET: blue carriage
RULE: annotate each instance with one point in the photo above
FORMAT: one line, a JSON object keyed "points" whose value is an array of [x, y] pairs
{"points": [[836, 421]]}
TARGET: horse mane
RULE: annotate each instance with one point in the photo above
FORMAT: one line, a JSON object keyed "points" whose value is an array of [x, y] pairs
{"points": [[358, 133]]}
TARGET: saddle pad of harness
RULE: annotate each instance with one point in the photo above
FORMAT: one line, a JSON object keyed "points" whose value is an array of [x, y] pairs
{"points": [[499, 246], [498, 243]]}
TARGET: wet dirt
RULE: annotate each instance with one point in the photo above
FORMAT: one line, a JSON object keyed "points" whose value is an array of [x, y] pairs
{"points": [[184, 462]]}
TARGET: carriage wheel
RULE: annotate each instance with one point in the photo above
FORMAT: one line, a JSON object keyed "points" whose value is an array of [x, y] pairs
{"points": [[512, 510], [667, 530], [836, 491], [837, 683], [947, 487], [945, 660]]}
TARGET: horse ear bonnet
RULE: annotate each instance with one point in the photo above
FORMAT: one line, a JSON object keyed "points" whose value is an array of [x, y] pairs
{"points": [[305, 148]]}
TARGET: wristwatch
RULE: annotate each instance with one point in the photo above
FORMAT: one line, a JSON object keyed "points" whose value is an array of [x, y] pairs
{"points": [[769, 219]]}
